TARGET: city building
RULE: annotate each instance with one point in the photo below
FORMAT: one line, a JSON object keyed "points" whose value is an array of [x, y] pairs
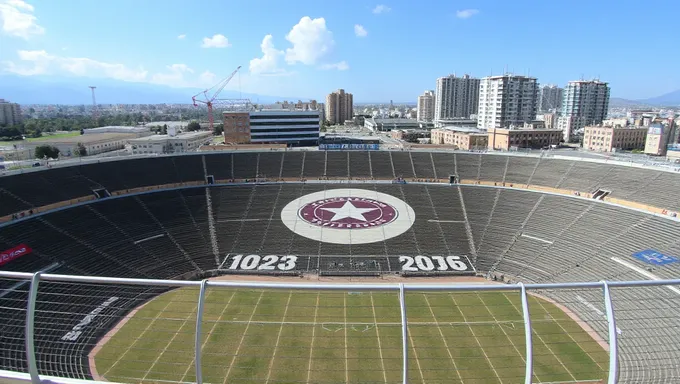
{"points": [[170, 143], [384, 125], [284, 126], [456, 97], [610, 139], [425, 108], [585, 103], [10, 113], [659, 135], [507, 139], [460, 122], [410, 135], [236, 127], [339, 107], [549, 119], [506, 101], [464, 138], [550, 98]]}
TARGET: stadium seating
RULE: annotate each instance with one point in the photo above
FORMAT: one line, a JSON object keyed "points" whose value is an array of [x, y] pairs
{"points": [[522, 235]]}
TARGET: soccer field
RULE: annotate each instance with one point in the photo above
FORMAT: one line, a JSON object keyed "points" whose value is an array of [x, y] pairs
{"points": [[266, 336]]}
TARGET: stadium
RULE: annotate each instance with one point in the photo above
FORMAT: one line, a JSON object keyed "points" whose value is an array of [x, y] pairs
{"points": [[340, 266]]}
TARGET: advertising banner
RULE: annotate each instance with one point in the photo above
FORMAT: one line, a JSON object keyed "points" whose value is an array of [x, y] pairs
{"points": [[14, 253]]}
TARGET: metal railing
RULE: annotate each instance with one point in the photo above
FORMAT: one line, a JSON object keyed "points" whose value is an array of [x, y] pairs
{"points": [[405, 291]]}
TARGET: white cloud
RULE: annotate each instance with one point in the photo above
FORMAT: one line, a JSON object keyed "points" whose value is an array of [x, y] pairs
{"points": [[340, 66], [466, 13], [268, 64], [41, 62], [182, 36], [311, 40], [381, 8], [360, 31], [18, 19], [217, 41]]}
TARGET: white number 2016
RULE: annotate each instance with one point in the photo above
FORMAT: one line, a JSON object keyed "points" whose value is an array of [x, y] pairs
{"points": [[265, 263], [427, 263]]}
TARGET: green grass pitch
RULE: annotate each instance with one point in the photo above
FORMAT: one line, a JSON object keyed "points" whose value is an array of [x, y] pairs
{"points": [[267, 336]]}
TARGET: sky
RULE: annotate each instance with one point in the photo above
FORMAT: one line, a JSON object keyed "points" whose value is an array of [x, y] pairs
{"points": [[378, 50]]}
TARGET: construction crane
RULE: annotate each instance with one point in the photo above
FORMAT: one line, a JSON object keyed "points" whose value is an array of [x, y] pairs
{"points": [[209, 99]]}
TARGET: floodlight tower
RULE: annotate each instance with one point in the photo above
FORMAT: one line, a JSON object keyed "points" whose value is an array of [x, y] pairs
{"points": [[95, 113]]}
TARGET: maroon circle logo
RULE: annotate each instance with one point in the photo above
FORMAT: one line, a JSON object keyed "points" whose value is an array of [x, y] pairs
{"points": [[348, 213]]}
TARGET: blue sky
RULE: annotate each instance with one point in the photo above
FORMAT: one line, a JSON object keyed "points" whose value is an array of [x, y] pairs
{"points": [[377, 50]]}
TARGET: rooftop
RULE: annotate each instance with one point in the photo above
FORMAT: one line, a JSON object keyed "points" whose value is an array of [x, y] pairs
{"points": [[462, 129], [181, 136]]}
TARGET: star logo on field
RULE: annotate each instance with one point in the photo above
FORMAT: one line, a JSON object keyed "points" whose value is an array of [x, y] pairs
{"points": [[348, 210]]}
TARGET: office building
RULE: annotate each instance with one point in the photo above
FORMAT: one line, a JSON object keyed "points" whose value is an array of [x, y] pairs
{"points": [[10, 113], [339, 107], [456, 97], [463, 138], [550, 98], [236, 127], [506, 139], [506, 101], [609, 139], [284, 126], [585, 103], [425, 108]]}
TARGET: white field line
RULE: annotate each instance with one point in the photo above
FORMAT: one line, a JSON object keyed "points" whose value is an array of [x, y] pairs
{"points": [[567, 333], [240, 343], [278, 338], [455, 304], [537, 239], [377, 334], [415, 355], [344, 301], [158, 358], [236, 220], [209, 332], [311, 345], [445, 221], [520, 353], [644, 273], [362, 323], [446, 344], [148, 326]]}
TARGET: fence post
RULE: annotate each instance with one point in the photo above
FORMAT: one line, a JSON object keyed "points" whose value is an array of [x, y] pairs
{"points": [[528, 374], [613, 336], [404, 334], [199, 330], [30, 329]]}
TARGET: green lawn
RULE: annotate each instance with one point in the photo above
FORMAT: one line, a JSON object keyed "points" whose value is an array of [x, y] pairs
{"points": [[42, 138], [311, 337]]}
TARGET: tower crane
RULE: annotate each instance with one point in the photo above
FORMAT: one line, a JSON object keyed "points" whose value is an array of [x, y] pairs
{"points": [[208, 99]]}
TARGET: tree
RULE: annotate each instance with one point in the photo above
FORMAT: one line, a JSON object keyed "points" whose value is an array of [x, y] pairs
{"points": [[193, 126], [80, 150], [165, 129], [46, 151], [219, 129]]}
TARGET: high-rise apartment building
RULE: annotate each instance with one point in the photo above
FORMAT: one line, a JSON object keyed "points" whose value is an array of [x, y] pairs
{"points": [[10, 113], [550, 98], [339, 107], [506, 101], [425, 110], [585, 103], [456, 97]]}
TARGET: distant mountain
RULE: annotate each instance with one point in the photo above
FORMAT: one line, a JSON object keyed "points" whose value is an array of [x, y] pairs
{"points": [[669, 99], [617, 102], [75, 91]]}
